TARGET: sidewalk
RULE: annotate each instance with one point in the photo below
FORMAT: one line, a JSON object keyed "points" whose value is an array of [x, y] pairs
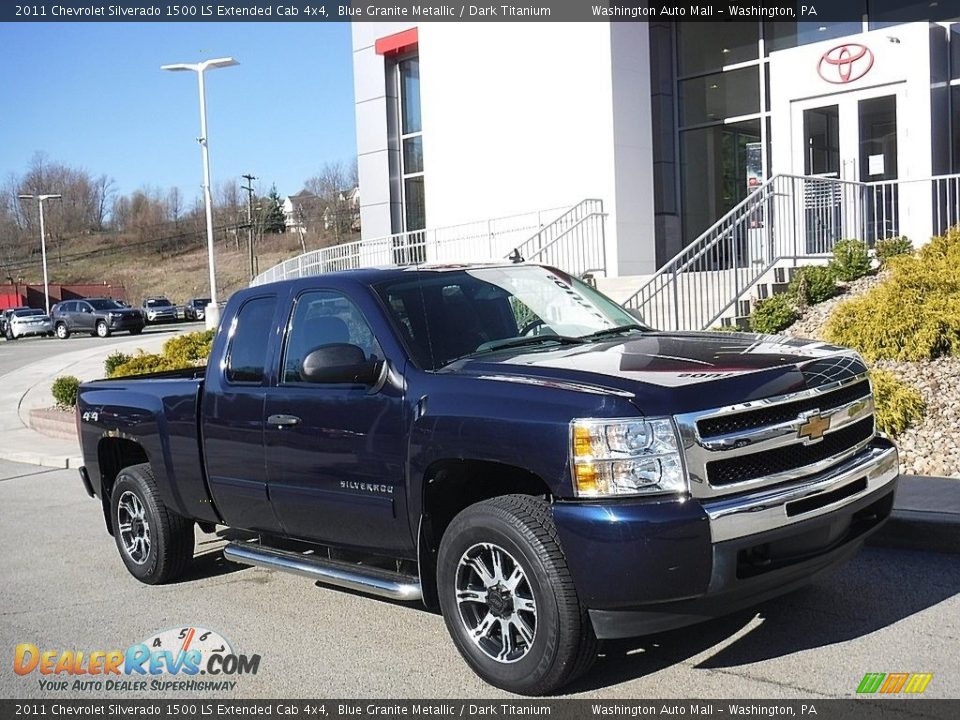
{"points": [[926, 515], [28, 387]]}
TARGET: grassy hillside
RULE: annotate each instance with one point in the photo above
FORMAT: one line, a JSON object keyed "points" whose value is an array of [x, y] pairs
{"points": [[143, 270]]}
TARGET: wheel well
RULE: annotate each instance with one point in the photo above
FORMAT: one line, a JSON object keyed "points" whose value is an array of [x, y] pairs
{"points": [[114, 454], [452, 485]]}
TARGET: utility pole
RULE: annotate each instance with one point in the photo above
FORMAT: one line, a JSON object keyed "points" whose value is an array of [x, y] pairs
{"points": [[249, 188]]}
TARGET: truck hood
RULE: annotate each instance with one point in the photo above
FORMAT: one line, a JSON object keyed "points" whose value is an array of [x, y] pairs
{"points": [[669, 373]]}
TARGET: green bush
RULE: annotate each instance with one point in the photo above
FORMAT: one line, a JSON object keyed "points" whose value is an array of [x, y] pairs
{"points": [[887, 248], [189, 348], [182, 351], [851, 260], [773, 314], [113, 360], [898, 406], [813, 284], [727, 328], [143, 363], [64, 390], [912, 315]]}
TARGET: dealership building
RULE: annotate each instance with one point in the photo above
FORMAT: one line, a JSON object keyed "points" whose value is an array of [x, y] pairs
{"points": [[670, 125]]}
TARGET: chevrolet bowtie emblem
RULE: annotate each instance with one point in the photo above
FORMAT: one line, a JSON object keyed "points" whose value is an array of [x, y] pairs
{"points": [[813, 428]]}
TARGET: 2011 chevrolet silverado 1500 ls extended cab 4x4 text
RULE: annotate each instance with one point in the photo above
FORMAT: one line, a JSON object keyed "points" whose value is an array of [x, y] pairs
{"points": [[503, 443]]}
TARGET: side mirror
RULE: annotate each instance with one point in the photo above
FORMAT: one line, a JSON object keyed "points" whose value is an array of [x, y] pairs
{"points": [[339, 363]]}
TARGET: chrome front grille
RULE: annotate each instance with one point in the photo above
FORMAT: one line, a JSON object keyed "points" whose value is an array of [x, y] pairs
{"points": [[776, 440]]}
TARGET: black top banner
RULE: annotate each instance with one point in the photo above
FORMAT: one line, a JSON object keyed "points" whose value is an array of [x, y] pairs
{"points": [[878, 11]]}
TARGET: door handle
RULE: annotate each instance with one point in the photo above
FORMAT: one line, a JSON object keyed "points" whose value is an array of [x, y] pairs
{"points": [[283, 420]]}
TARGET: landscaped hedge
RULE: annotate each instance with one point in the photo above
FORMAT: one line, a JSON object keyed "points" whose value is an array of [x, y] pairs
{"points": [[64, 391], [851, 260], [898, 406], [813, 284], [912, 315], [774, 314], [182, 351]]}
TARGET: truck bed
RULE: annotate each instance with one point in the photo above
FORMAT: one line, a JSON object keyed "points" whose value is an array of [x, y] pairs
{"points": [[158, 412]]}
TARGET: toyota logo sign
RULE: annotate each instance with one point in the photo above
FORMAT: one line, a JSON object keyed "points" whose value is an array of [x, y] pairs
{"points": [[845, 63]]}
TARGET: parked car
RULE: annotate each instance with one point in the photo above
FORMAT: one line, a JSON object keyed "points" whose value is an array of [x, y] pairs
{"points": [[6, 315], [196, 308], [516, 449], [24, 322], [97, 316], [159, 309]]}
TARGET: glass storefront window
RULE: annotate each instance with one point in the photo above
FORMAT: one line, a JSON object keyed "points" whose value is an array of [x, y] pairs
{"points": [[714, 172], [703, 47], [413, 154], [721, 95], [781, 35], [410, 95], [414, 203]]}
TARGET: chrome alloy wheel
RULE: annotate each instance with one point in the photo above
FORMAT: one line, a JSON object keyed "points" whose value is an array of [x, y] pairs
{"points": [[133, 527], [496, 602]]}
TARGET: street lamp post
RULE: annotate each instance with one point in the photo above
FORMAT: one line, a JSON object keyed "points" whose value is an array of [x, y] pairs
{"points": [[43, 244], [212, 314]]}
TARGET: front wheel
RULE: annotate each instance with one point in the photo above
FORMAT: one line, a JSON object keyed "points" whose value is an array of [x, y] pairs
{"points": [[155, 543], [508, 599], [102, 329]]}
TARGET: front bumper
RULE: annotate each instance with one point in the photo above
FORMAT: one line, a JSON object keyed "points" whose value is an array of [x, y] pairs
{"points": [[644, 567], [126, 322], [162, 317]]}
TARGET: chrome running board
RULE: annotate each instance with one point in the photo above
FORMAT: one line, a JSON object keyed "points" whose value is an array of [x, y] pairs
{"points": [[375, 581]]}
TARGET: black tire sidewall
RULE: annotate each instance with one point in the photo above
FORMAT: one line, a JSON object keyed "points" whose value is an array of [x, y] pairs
{"points": [[148, 572], [527, 674]]}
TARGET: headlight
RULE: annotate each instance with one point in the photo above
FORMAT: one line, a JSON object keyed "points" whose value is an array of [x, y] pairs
{"points": [[630, 456]]}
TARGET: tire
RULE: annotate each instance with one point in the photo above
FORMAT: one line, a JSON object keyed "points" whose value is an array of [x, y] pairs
{"points": [[562, 645], [168, 546], [62, 331], [102, 329]]}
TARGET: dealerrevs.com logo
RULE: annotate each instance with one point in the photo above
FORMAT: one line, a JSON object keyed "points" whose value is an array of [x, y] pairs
{"points": [[179, 659]]}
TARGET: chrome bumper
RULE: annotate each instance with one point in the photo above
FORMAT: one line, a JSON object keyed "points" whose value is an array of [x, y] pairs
{"points": [[768, 510]]}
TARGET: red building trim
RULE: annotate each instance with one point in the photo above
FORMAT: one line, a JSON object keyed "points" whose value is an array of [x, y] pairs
{"points": [[397, 43]]}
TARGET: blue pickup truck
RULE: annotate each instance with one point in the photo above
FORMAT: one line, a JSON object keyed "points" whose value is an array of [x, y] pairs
{"points": [[502, 443]]}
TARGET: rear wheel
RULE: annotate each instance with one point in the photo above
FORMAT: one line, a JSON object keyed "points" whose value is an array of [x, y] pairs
{"points": [[62, 331], [155, 543], [508, 599]]}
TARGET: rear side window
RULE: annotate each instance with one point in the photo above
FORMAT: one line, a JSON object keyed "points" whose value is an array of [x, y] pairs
{"points": [[247, 354]]}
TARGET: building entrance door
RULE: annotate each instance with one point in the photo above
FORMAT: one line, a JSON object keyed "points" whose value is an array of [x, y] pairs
{"points": [[850, 143]]}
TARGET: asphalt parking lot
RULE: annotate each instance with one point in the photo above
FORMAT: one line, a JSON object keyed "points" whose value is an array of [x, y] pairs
{"points": [[62, 586], [16, 353]]}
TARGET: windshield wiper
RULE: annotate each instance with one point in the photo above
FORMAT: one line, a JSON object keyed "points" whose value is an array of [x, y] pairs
{"points": [[619, 330], [495, 345]]}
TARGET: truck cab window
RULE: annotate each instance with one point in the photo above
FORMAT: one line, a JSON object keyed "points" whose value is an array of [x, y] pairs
{"points": [[324, 317], [247, 354]]}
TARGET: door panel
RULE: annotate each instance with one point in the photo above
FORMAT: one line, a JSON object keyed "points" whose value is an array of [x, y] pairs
{"points": [[233, 421], [336, 475]]}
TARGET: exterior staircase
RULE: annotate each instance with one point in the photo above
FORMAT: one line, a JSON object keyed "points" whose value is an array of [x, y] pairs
{"points": [[788, 221]]}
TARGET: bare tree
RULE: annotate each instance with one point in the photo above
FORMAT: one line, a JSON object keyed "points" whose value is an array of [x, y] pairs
{"points": [[333, 186]]}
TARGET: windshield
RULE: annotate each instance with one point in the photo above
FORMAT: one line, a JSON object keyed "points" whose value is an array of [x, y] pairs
{"points": [[200, 302], [159, 302], [444, 316], [105, 304], [27, 313]]}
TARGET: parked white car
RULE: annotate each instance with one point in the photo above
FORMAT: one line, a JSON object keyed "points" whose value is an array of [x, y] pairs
{"points": [[28, 321]]}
